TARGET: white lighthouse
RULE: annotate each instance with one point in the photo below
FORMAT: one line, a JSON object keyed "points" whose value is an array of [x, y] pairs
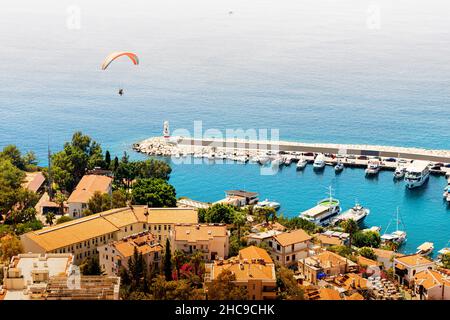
{"points": [[166, 131]]}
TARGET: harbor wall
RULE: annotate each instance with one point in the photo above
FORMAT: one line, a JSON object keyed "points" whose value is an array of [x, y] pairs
{"points": [[298, 147]]}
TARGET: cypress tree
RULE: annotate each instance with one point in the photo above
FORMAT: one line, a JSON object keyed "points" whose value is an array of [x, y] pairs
{"points": [[168, 262]]}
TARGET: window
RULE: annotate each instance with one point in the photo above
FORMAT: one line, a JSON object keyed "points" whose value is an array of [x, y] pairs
{"points": [[293, 257], [278, 247], [270, 244], [131, 228], [287, 258], [165, 227], [292, 248]]}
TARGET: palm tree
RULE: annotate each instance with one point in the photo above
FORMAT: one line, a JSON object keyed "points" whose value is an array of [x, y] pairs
{"points": [[239, 219], [196, 260], [60, 198], [178, 258], [49, 217]]}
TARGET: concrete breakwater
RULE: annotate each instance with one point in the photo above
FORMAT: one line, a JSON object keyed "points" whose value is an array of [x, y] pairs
{"points": [[254, 151]]}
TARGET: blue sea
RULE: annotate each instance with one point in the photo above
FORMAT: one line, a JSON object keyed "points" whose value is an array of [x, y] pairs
{"points": [[355, 71]]}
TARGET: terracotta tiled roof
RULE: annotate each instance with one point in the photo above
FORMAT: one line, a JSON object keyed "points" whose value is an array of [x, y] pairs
{"points": [[413, 260], [253, 252], [431, 278], [199, 232], [33, 181], [296, 236], [87, 186]]}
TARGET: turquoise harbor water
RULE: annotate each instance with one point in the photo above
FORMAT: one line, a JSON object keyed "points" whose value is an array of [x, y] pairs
{"points": [[312, 69]]}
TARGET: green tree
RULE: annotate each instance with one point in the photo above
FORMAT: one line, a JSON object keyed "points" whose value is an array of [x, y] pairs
{"points": [[445, 260], [49, 217], [266, 214], [367, 239], [220, 213], [168, 261], [368, 253], [154, 193], [91, 267], [107, 160], [60, 199], [151, 168], [63, 219], [239, 219], [13, 154], [10, 246], [225, 288], [99, 202], [290, 290], [10, 184], [350, 226], [178, 259], [196, 260], [70, 164]]}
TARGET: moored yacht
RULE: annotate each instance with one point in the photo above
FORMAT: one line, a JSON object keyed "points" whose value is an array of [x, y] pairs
{"points": [[268, 204], [373, 167], [399, 172], [417, 174], [319, 162], [323, 212], [357, 213], [425, 248], [397, 237], [301, 164], [339, 167]]}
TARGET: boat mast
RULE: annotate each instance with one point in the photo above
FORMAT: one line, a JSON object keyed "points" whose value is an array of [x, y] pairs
{"points": [[50, 182]]}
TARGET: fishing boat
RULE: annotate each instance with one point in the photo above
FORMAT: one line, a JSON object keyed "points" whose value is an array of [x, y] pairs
{"points": [[425, 248], [323, 212], [357, 213], [417, 174], [338, 167], [319, 162], [268, 204], [373, 167], [397, 237], [301, 164]]}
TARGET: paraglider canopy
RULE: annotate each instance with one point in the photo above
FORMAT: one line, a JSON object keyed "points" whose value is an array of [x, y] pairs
{"points": [[113, 56]]}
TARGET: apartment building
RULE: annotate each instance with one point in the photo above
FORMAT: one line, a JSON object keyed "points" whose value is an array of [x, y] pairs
{"points": [[288, 247], [210, 239], [114, 255], [161, 221], [254, 270], [83, 236]]}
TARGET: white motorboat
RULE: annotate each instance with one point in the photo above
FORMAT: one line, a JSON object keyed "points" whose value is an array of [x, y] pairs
{"points": [[357, 213], [373, 167], [287, 161], [319, 162], [268, 204], [278, 161], [399, 172], [323, 212], [425, 248], [397, 237], [301, 164], [417, 174], [339, 167]]}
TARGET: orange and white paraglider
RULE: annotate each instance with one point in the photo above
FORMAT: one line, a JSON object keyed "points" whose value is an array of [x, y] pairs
{"points": [[113, 56]]}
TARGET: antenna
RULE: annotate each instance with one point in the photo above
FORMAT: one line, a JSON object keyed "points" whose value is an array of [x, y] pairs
{"points": [[50, 181]]}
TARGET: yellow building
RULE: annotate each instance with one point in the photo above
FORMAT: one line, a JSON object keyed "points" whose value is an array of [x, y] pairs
{"points": [[210, 239], [254, 270], [83, 236]]}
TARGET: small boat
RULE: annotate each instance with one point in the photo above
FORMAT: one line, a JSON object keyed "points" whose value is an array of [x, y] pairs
{"points": [[399, 172], [425, 248], [262, 160], [277, 162], [373, 167], [376, 229], [338, 167], [357, 213], [301, 164], [287, 161], [397, 237], [319, 162], [268, 204]]}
